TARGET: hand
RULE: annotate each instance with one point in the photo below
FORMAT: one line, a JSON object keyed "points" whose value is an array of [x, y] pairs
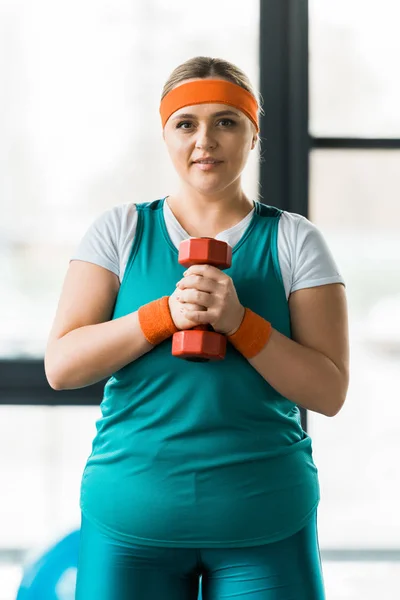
{"points": [[178, 314], [211, 288]]}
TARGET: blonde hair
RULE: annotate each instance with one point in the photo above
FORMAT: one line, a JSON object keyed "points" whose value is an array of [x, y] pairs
{"points": [[204, 67]]}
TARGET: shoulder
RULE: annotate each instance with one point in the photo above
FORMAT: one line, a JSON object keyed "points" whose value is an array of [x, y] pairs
{"points": [[305, 256], [290, 223], [301, 235], [106, 237], [111, 219]]}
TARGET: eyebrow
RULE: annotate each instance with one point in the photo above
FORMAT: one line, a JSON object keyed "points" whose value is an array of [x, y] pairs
{"points": [[217, 114]]}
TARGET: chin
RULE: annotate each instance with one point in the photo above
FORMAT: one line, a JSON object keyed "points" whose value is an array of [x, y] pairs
{"points": [[209, 190], [209, 184]]}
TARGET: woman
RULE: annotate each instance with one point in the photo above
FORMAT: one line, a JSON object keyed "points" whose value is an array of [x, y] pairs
{"points": [[202, 469]]}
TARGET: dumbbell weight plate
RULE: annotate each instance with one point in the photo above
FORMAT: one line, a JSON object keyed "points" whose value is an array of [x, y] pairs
{"points": [[199, 345], [207, 251]]}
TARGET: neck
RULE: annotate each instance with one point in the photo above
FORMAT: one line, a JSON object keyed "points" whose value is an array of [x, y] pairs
{"points": [[206, 216]]}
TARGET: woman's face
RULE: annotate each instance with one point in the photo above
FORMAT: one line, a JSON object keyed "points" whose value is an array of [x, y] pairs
{"points": [[218, 131]]}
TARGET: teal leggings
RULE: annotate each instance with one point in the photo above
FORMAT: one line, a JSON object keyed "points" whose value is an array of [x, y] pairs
{"points": [[286, 570]]}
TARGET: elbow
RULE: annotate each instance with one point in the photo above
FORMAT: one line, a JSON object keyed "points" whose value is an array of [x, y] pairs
{"points": [[54, 385], [338, 399], [334, 409], [53, 378], [53, 382]]}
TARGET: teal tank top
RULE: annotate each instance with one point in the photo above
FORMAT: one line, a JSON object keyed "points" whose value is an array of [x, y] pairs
{"points": [[193, 454]]}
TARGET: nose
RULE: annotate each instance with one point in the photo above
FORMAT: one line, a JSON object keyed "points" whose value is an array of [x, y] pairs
{"points": [[204, 139]]}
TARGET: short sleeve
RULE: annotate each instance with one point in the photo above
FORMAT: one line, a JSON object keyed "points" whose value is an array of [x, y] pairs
{"points": [[99, 244], [304, 256]]}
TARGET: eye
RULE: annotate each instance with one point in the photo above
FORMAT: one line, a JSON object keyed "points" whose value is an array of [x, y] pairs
{"points": [[229, 121], [225, 123], [179, 126]]}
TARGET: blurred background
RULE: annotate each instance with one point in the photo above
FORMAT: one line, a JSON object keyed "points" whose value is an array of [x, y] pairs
{"points": [[80, 132]]}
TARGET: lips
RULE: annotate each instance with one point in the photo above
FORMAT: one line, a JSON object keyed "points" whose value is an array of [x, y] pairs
{"points": [[207, 161], [207, 166]]}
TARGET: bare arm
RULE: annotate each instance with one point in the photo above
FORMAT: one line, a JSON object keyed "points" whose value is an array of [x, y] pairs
{"points": [[84, 346], [312, 369]]}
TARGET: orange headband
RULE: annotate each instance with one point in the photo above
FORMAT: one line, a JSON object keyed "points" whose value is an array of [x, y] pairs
{"points": [[209, 90]]}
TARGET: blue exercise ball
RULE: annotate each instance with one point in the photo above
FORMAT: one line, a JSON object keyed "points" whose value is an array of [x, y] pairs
{"points": [[53, 575]]}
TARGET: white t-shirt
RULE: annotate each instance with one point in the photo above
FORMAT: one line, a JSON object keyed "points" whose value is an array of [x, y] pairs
{"points": [[304, 257]]}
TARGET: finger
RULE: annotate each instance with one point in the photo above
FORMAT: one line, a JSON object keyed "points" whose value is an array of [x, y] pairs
{"points": [[198, 282], [207, 271], [188, 306], [195, 297], [197, 316]]}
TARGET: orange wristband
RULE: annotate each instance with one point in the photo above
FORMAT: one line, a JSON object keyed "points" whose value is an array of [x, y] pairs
{"points": [[252, 335], [156, 321]]}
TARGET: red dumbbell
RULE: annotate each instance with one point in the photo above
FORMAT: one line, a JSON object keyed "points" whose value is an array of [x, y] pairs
{"points": [[202, 343]]}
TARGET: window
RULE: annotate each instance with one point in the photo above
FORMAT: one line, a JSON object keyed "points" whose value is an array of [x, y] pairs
{"points": [[353, 200], [354, 190], [354, 85]]}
